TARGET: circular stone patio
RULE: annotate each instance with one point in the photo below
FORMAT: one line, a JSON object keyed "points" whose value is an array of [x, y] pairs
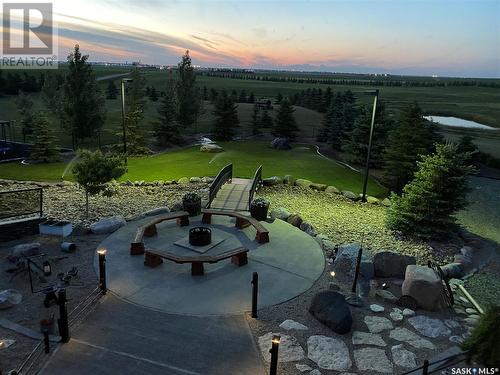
{"points": [[288, 265]]}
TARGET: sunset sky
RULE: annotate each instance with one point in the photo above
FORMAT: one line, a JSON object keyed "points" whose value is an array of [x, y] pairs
{"points": [[454, 38]]}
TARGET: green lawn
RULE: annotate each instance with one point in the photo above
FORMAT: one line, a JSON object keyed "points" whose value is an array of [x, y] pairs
{"points": [[302, 162]]}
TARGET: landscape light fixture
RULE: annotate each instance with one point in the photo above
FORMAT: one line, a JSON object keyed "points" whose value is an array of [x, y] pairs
{"points": [[47, 269], [102, 270], [275, 344], [367, 167], [124, 81]]}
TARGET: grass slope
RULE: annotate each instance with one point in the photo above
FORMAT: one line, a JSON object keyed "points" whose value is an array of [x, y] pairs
{"points": [[302, 162]]}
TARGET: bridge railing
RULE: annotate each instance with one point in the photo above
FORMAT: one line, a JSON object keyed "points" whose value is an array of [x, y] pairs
{"points": [[23, 202], [257, 180], [225, 174]]}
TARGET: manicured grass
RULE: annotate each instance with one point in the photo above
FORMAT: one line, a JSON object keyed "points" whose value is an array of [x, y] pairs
{"points": [[302, 162]]}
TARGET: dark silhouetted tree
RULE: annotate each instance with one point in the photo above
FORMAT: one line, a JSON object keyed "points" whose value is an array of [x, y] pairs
{"points": [[226, 118]]}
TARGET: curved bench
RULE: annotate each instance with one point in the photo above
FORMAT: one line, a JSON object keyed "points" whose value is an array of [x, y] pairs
{"points": [[149, 229], [242, 221], [153, 258]]}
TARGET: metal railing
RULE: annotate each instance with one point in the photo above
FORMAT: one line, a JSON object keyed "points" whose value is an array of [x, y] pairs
{"points": [[257, 180], [22, 202], [439, 364], [225, 174]]}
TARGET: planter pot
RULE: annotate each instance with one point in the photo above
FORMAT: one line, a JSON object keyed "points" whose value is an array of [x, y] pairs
{"points": [[56, 228], [259, 212], [193, 208]]}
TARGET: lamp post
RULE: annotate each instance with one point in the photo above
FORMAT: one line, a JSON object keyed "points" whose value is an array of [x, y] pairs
{"points": [[124, 81], [275, 344], [367, 167], [102, 270]]}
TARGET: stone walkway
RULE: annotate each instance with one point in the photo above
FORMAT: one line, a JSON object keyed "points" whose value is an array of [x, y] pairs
{"points": [[121, 338]]}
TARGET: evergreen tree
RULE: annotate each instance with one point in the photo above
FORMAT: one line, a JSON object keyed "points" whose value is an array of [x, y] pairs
{"points": [[111, 90], [255, 120], [213, 95], [243, 97], [43, 149], [251, 98], [205, 93], [466, 145], [153, 95], [94, 170], [226, 118], [234, 96], [51, 95], [25, 108], [266, 121], [285, 125], [437, 192], [333, 123], [358, 138], [135, 104], [279, 98], [327, 99], [167, 129], [83, 110], [187, 94], [412, 137]]}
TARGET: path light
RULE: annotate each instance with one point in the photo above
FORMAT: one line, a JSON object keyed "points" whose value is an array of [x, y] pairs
{"points": [[367, 167], [332, 274], [275, 344], [102, 270], [47, 269], [255, 291]]}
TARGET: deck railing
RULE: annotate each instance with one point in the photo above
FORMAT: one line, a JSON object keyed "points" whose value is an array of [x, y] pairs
{"points": [[225, 174], [23, 202], [257, 180]]}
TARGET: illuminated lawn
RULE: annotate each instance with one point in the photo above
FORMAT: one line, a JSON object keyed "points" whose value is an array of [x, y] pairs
{"points": [[301, 162]]}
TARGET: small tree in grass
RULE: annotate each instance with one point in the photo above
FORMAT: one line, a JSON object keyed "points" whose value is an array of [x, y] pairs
{"points": [[226, 118], [285, 125], [94, 170], [437, 192], [43, 149]]}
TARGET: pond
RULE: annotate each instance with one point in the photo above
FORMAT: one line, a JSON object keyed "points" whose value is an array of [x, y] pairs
{"points": [[457, 122]]}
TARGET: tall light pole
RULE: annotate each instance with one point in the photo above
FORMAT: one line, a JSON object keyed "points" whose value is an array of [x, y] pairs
{"points": [[367, 167], [124, 81]]}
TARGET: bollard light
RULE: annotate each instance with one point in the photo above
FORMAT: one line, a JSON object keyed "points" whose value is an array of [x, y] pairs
{"points": [[255, 291], [275, 344], [47, 269], [63, 322], [332, 274], [102, 270]]}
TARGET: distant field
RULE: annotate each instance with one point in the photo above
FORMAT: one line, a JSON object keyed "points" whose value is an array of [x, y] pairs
{"points": [[302, 162]]}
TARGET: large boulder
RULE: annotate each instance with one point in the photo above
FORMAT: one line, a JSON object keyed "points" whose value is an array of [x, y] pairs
{"points": [[183, 181], [295, 220], [320, 187], [157, 211], [308, 228], [302, 182], [275, 180], [24, 249], [425, 286], [280, 213], [350, 195], [281, 144], [332, 189], [108, 225], [391, 264], [195, 179], [331, 309], [9, 298], [211, 148], [345, 262], [289, 180]]}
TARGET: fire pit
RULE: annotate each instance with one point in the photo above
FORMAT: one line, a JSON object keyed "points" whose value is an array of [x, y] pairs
{"points": [[200, 236]]}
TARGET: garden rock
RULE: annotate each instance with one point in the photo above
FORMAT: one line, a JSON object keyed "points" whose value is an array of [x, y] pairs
{"points": [[295, 220], [281, 144], [429, 327], [396, 315], [331, 309], [332, 189], [450, 323], [328, 247], [350, 195], [211, 148], [402, 357], [308, 228], [386, 202], [303, 183], [385, 295], [319, 187], [289, 180], [408, 312], [372, 359], [289, 351], [183, 181], [366, 338], [405, 335], [195, 179], [391, 264], [280, 213], [315, 372], [207, 180], [328, 353], [302, 367], [376, 308], [292, 324], [425, 286], [25, 249], [372, 200], [275, 180], [157, 211], [108, 225], [10, 298], [345, 262], [377, 324]]}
